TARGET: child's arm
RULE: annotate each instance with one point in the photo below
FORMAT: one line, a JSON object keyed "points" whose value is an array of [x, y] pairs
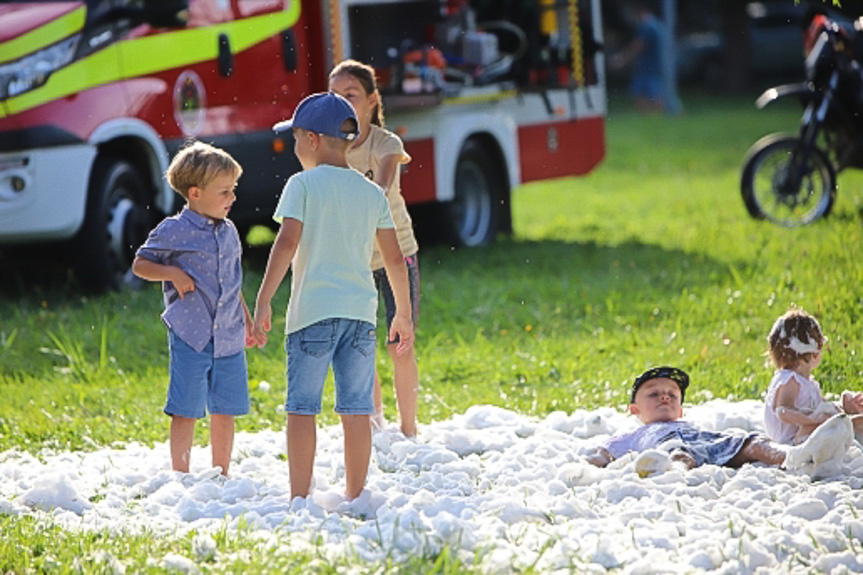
{"points": [[599, 456], [397, 274], [387, 172], [786, 411], [281, 254], [151, 271], [248, 332]]}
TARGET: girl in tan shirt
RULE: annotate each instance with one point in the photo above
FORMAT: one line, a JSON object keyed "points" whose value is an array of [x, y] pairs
{"points": [[378, 153]]}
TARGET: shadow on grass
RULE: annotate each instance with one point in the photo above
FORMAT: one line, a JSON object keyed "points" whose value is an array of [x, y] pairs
{"points": [[512, 268], [517, 278], [36, 273], [587, 308]]}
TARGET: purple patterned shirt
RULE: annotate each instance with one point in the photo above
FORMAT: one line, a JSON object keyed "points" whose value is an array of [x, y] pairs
{"points": [[209, 251]]}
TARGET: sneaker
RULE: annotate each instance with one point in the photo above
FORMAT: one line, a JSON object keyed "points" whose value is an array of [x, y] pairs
{"points": [[378, 422]]}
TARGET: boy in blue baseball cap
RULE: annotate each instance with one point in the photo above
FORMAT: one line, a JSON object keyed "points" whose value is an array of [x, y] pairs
{"points": [[656, 399], [331, 216]]}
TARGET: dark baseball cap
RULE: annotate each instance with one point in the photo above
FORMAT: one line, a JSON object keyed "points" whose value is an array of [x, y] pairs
{"points": [[677, 375], [323, 113]]}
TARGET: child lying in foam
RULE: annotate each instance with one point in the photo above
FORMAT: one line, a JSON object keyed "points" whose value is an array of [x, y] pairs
{"points": [[656, 399]]}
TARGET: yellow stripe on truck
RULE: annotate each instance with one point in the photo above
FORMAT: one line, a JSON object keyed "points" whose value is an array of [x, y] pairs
{"points": [[50, 33], [151, 54]]}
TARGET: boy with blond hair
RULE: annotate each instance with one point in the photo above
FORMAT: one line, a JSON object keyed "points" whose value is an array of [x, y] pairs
{"points": [[330, 217], [196, 255]]}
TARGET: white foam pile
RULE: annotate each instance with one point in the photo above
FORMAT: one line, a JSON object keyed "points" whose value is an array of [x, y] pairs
{"points": [[505, 490]]}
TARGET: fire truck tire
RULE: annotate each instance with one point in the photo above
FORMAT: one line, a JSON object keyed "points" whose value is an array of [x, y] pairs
{"points": [[473, 217], [116, 222]]}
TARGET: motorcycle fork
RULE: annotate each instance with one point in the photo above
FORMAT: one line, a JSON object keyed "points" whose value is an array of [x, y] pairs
{"points": [[810, 128]]}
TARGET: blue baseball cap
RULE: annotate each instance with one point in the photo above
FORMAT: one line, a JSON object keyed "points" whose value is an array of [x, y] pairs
{"points": [[322, 113]]}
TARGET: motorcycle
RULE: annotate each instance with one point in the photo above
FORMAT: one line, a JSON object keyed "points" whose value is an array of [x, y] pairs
{"points": [[790, 179]]}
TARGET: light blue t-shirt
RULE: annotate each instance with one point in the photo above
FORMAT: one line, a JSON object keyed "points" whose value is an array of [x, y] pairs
{"points": [[341, 211]]}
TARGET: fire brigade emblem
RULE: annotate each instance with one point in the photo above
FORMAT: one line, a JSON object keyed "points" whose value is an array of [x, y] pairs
{"points": [[189, 102]]}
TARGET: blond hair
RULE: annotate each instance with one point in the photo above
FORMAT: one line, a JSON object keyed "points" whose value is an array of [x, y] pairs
{"points": [[349, 126], [197, 164], [796, 336]]}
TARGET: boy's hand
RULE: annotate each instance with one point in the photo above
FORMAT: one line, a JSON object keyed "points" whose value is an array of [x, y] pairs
{"points": [[248, 332], [182, 282], [262, 323], [259, 338], [403, 327]]}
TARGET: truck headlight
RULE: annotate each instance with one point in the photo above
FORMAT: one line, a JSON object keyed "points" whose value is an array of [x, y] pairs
{"points": [[33, 70]]}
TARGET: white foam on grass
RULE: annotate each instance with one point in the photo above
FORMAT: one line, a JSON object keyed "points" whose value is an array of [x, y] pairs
{"points": [[505, 490]]}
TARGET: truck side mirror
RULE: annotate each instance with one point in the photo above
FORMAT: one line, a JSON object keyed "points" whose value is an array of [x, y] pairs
{"points": [[289, 50], [165, 13], [226, 58]]}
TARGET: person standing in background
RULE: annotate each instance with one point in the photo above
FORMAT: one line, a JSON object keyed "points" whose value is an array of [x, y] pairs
{"points": [[644, 52]]}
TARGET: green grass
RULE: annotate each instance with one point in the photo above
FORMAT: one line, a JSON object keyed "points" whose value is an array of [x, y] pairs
{"points": [[649, 260], [38, 547]]}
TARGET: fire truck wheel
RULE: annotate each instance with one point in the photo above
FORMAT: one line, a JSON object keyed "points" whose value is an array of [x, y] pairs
{"points": [[472, 218], [116, 223]]}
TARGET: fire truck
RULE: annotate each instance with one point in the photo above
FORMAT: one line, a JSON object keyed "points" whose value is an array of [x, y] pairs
{"points": [[97, 95]]}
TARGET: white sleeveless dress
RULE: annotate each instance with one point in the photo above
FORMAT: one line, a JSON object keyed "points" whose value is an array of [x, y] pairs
{"points": [[808, 399]]}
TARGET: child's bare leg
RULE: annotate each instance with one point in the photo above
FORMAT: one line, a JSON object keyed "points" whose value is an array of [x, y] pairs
{"points": [[804, 432], [379, 400], [407, 382], [857, 422], [182, 435], [358, 451], [222, 440], [378, 421], [758, 449], [302, 440], [683, 457]]}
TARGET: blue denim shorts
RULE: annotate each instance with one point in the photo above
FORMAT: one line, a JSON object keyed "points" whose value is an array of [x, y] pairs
{"points": [[198, 381], [386, 292], [715, 448], [346, 344]]}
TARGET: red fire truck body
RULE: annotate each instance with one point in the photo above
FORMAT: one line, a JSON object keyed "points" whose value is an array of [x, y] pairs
{"points": [[96, 97]]}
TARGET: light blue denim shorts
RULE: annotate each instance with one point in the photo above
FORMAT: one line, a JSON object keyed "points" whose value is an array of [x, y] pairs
{"points": [[198, 381], [346, 344]]}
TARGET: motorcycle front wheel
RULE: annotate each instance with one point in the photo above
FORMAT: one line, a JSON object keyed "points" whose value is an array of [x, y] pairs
{"points": [[772, 190]]}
